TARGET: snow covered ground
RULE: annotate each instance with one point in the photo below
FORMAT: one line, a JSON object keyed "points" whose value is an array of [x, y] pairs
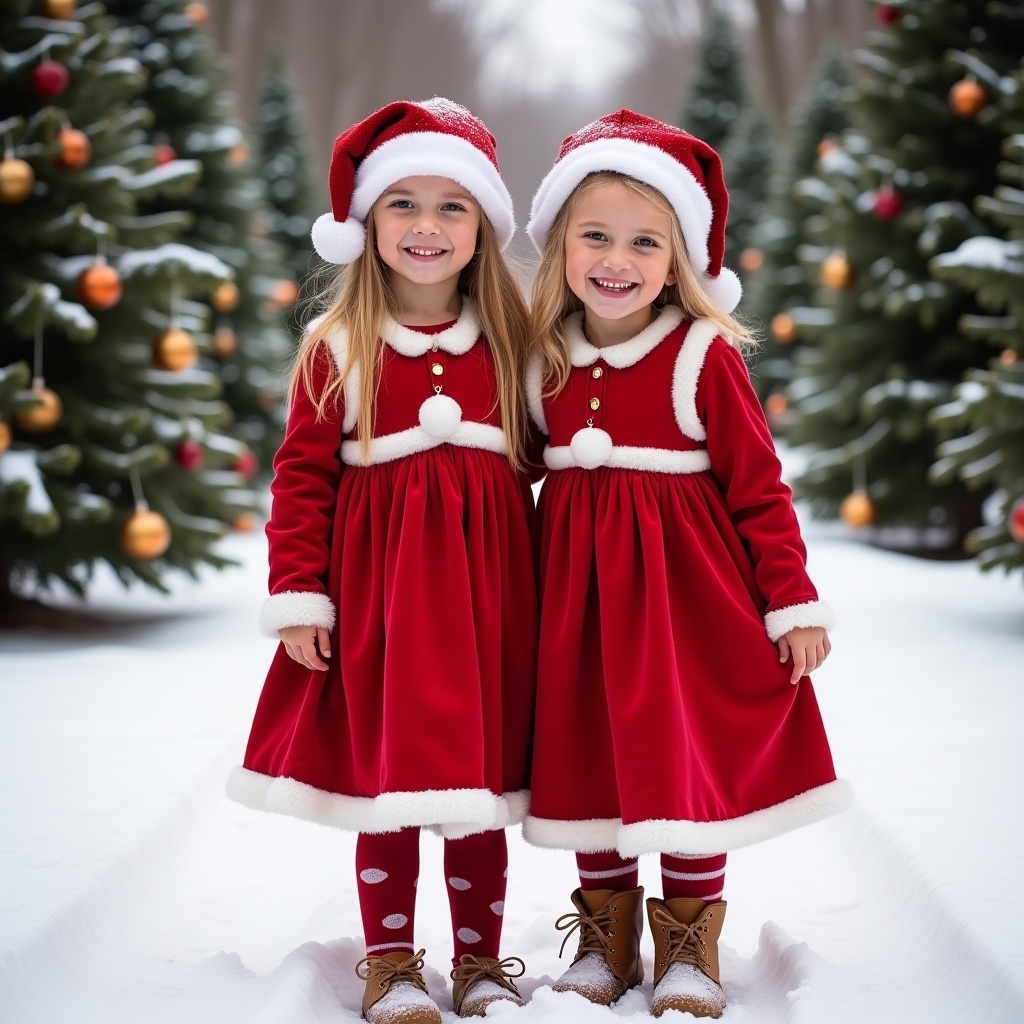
{"points": [[132, 890]]}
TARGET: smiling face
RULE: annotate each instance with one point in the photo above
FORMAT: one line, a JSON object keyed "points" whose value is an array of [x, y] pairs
{"points": [[426, 231], [618, 257]]}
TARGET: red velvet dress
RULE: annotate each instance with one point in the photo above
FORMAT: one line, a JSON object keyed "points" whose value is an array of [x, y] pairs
{"points": [[670, 560], [424, 715]]}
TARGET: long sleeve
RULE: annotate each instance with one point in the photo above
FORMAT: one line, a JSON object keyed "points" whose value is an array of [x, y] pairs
{"points": [[307, 469], [744, 461]]}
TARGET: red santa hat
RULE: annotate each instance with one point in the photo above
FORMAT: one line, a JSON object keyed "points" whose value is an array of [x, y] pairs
{"points": [[434, 137], [685, 170]]}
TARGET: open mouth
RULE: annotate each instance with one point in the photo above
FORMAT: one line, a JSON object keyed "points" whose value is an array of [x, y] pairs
{"points": [[613, 288], [423, 253]]}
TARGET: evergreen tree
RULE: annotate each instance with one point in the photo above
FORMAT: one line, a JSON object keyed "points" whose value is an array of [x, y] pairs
{"points": [[989, 405], [884, 347], [100, 411], [747, 154], [778, 284], [195, 119]]}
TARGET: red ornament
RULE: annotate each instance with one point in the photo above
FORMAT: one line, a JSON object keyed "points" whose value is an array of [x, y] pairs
{"points": [[888, 203], [163, 154], [1016, 521], [887, 14], [189, 455], [246, 463], [50, 78]]}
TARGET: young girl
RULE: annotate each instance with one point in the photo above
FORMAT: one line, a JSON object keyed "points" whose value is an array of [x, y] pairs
{"points": [[676, 612], [401, 575]]}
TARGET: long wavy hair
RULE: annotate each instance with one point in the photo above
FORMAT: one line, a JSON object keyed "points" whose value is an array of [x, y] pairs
{"points": [[553, 299], [360, 299]]}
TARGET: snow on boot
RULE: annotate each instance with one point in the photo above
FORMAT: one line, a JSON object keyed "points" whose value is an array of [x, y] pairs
{"points": [[685, 936], [482, 980], [607, 961], [395, 990]]}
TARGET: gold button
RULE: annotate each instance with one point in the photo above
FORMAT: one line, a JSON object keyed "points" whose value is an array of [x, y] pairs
{"points": [[436, 369], [595, 403], [597, 372]]}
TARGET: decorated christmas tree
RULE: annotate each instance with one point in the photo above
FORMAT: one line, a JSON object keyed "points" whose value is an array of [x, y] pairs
{"points": [[194, 119], [747, 154], [989, 405], [884, 345], [775, 281], [112, 443]]}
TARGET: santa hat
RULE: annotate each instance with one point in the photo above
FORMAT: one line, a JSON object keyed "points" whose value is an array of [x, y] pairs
{"points": [[685, 170], [434, 137]]}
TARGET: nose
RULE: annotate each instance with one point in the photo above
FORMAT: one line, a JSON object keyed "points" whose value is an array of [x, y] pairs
{"points": [[426, 224], [618, 257]]}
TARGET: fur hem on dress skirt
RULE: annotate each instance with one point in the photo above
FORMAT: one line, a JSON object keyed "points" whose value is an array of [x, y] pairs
{"points": [[453, 813], [664, 836]]}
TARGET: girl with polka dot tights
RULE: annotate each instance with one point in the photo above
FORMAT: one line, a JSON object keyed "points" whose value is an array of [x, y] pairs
{"points": [[401, 569]]}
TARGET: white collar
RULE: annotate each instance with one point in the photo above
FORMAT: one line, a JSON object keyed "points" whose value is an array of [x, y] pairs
{"points": [[625, 353], [456, 340]]}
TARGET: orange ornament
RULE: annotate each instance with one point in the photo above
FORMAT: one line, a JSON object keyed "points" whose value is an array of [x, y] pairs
{"points": [[284, 293], [225, 341], [783, 329], [75, 149], [244, 523], [175, 350], [59, 9], [1008, 357], [225, 297], [5, 436], [826, 146], [837, 272], [751, 260], [857, 510], [16, 180], [776, 406], [145, 535], [967, 98], [238, 154], [41, 417], [197, 13], [99, 287]]}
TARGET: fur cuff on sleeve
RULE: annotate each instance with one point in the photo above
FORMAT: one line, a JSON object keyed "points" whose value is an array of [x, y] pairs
{"points": [[813, 613], [296, 608]]}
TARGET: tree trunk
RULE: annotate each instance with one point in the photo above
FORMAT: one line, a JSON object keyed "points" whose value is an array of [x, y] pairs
{"points": [[771, 62]]}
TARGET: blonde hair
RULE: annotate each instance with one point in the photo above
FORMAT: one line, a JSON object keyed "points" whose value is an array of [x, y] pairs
{"points": [[554, 300], [360, 299]]}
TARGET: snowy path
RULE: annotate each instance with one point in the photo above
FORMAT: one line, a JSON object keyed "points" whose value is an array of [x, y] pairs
{"points": [[131, 890]]}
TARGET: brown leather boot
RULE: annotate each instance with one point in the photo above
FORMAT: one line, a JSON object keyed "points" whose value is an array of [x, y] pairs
{"points": [[395, 990], [482, 980], [686, 935], [608, 960]]}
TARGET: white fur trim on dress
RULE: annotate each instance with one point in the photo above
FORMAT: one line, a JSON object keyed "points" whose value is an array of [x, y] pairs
{"points": [[512, 808], [596, 835], [441, 155], [533, 384], [463, 810], [725, 291], [812, 613], [338, 241], [457, 340], [296, 608], [722, 836], [638, 160], [337, 341], [416, 439], [653, 460], [625, 353], [686, 376]]}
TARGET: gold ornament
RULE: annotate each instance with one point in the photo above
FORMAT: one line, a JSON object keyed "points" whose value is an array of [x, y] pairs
{"points": [[5, 436], [857, 510], [244, 523], [59, 9], [225, 341], [197, 13], [145, 535], [99, 287], [284, 293], [75, 149], [751, 260], [837, 272], [783, 329], [238, 154], [16, 180], [175, 350], [225, 297], [967, 98], [1008, 357], [44, 417]]}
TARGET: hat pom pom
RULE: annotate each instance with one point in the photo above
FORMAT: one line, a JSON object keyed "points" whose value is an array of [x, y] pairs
{"points": [[338, 241], [725, 290]]}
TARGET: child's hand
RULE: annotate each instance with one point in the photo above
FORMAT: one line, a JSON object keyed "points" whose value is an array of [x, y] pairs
{"points": [[809, 646], [301, 643]]}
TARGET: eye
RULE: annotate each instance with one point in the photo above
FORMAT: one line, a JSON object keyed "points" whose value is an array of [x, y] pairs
{"points": [[453, 207], [401, 204], [646, 243], [596, 236]]}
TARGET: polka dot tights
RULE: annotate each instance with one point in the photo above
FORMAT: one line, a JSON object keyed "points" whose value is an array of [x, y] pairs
{"points": [[475, 869]]}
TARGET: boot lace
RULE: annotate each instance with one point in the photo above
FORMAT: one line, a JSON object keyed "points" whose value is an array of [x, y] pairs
{"points": [[390, 973], [686, 943], [594, 936], [472, 969]]}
